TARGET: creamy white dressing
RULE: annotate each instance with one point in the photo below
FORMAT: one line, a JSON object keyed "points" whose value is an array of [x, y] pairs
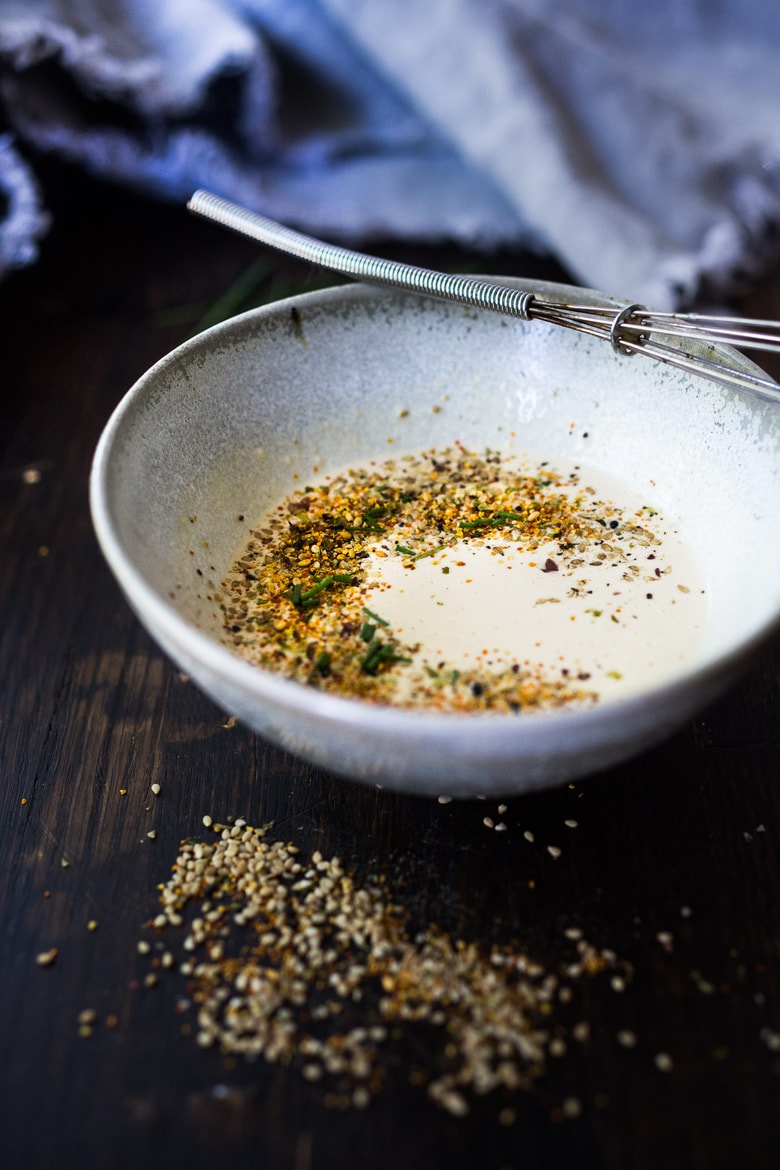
{"points": [[619, 624], [467, 583]]}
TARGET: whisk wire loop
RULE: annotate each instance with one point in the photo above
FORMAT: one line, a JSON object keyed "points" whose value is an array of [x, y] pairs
{"points": [[616, 328]]}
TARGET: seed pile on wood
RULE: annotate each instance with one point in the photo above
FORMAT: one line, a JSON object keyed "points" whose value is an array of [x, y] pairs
{"points": [[293, 960]]}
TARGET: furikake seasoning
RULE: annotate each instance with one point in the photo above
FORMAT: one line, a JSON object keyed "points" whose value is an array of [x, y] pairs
{"points": [[300, 598]]}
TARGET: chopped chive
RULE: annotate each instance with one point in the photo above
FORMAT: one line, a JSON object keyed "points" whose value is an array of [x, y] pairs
{"points": [[301, 599], [402, 548], [375, 617], [496, 520], [322, 665], [429, 552], [379, 654], [370, 660], [370, 517], [367, 631]]}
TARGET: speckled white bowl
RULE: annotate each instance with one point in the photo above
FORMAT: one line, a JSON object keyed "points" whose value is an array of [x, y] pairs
{"points": [[217, 429]]}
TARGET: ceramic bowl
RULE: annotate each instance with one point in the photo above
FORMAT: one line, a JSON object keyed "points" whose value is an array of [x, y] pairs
{"points": [[220, 428]]}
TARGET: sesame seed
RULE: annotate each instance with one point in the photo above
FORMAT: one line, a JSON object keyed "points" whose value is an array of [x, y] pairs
{"points": [[156, 789], [46, 958], [664, 1062], [771, 1039]]}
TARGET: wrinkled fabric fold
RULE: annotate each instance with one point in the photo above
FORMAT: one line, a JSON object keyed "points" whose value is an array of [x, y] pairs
{"points": [[640, 148]]}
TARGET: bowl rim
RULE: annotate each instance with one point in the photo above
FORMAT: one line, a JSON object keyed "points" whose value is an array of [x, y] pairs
{"points": [[266, 685]]}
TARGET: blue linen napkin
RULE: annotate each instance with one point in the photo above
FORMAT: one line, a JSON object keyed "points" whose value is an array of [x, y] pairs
{"points": [[638, 144]]}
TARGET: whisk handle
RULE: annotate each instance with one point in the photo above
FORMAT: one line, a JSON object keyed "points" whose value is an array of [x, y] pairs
{"points": [[466, 290]]}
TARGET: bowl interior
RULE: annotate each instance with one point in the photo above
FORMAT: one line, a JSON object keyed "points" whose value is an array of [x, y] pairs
{"points": [[222, 429]]}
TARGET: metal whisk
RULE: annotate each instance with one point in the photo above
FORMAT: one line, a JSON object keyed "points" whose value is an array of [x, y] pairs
{"points": [[629, 330]]}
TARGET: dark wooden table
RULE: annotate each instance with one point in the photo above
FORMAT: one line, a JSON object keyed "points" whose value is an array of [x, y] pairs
{"points": [[683, 843]]}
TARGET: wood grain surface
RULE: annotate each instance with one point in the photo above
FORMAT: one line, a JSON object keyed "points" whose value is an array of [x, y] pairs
{"points": [[681, 843]]}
